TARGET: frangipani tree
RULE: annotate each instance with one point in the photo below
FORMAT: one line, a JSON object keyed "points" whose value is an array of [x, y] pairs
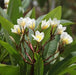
{"points": [[37, 47]]}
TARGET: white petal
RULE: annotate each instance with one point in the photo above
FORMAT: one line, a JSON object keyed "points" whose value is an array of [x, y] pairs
{"points": [[6, 1], [37, 33], [34, 37], [42, 34]]}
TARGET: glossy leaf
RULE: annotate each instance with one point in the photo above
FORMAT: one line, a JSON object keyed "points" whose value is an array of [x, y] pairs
{"points": [[7, 25], [33, 13], [13, 10], [66, 22], [51, 47], [55, 13]]}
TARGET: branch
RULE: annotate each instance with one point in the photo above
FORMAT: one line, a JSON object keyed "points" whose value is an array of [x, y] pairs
{"points": [[28, 56], [51, 56], [30, 45], [25, 59], [50, 61]]}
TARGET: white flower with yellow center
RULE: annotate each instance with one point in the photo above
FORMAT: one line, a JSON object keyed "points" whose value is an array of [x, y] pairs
{"points": [[54, 22], [45, 24], [21, 21], [6, 2], [66, 38], [31, 24], [16, 29], [60, 29], [38, 36]]}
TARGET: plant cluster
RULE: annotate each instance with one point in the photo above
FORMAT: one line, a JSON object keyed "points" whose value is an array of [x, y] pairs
{"points": [[35, 46]]}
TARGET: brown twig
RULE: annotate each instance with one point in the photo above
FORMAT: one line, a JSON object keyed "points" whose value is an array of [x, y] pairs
{"points": [[50, 61], [38, 51], [25, 59], [51, 56], [30, 46], [28, 55]]}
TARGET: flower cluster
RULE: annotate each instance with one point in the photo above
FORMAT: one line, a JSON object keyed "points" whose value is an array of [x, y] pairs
{"points": [[23, 23], [64, 36]]}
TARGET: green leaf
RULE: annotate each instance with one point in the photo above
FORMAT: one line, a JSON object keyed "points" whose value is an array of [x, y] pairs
{"points": [[46, 35], [11, 51], [55, 13], [28, 14], [69, 30], [51, 47], [2, 13], [13, 10], [62, 65], [25, 4], [70, 70], [16, 55], [69, 48], [3, 55], [66, 22], [9, 70], [33, 13], [7, 25], [38, 66]]}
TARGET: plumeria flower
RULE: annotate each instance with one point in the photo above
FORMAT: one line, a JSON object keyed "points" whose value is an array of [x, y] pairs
{"points": [[54, 22], [31, 24], [60, 29], [38, 36], [21, 21], [16, 29], [6, 2], [66, 38], [45, 24]]}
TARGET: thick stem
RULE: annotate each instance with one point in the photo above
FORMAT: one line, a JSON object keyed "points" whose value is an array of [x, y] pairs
{"points": [[32, 70]]}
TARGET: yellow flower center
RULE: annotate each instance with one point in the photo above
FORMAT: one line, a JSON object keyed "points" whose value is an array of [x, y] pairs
{"points": [[54, 25], [39, 38], [32, 26], [6, 3], [60, 32], [23, 31], [23, 23], [18, 30], [65, 41], [44, 27]]}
